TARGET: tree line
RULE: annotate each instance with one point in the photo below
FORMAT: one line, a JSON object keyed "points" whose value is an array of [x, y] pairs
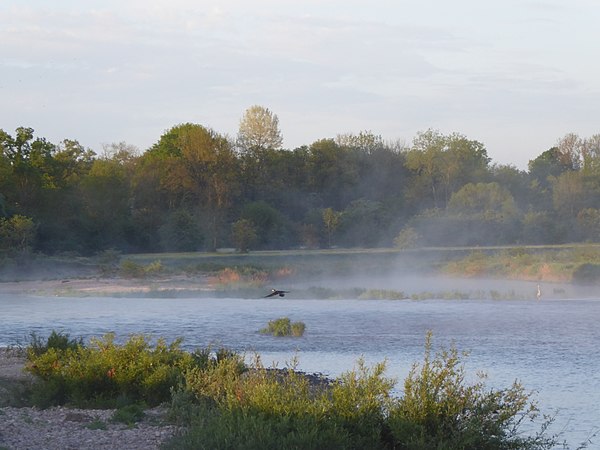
{"points": [[197, 189]]}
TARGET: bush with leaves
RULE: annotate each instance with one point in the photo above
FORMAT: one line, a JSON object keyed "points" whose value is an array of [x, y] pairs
{"points": [[266, 408], [270, 408], [284, 327], [103, 372], [57, 340], [439, 409]]}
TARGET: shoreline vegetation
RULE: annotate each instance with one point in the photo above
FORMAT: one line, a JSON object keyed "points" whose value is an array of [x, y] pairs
{"points": [[216, 400], [247, 275]]}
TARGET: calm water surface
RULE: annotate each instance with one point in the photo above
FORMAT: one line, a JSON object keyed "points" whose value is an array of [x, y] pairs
{"points": [[551, 346]]}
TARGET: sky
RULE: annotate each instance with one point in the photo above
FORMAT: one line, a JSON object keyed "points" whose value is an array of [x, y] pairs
{"points": [[516, 75]]}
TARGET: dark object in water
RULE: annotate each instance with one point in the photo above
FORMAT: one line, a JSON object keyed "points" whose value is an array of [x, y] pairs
{"points": [[275, 292]]}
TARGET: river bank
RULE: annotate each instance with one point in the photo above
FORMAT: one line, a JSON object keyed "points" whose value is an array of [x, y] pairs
{"points": [[60, 428], [103, 286]]}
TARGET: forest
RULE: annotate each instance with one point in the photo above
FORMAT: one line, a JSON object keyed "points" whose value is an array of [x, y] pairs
{"points": [[196, 189]]}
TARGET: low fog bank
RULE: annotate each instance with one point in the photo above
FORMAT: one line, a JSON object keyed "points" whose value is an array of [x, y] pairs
{"points": [[417, 285], [47, 269], [420, 273], [414, 274]]}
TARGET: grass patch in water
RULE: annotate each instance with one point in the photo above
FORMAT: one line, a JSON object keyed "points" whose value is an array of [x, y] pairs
{"points": [[284, 327]]}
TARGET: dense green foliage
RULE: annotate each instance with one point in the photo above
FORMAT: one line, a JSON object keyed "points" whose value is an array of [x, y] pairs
{"points": [[222, 403], [196, 189], [104, 372]]}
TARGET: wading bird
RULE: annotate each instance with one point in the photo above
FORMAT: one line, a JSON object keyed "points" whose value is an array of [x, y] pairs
{"points": [[275, 292]]}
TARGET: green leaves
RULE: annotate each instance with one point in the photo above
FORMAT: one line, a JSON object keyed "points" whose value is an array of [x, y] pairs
{"points": [[17, 234], [284, 327], [103, 372]]}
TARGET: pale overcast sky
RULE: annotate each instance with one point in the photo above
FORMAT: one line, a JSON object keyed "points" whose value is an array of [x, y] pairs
{"points": [[516, 75]]}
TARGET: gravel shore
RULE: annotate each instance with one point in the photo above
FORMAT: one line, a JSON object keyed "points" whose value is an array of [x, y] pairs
{"points": [[67, 428]]}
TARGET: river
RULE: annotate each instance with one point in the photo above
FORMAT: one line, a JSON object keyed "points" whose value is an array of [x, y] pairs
{"points": [[551, 345]]}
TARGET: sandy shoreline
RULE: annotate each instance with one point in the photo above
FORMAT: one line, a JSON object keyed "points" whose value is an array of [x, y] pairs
{"points": [[103, 286]]}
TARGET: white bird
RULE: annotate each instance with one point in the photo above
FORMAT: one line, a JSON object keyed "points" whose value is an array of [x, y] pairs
{"points": [[539, 292]]}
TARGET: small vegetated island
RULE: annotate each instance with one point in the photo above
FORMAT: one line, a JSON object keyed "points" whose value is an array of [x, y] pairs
{"points": [[219, 401], [284, 327]]}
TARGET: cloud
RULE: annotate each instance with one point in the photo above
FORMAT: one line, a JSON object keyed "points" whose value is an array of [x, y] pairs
{"points": [[111, 71]]}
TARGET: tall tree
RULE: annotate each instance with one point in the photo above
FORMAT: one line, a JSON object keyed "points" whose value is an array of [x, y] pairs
{"points": [[203, 169], [516, 181], [333, 173], [331, 220], [365, 141], [16, 234], [465, 161], [550, 163], [568, 194], [69, 166], [29, 159], [258, 140], [570, 151], [259, 130], [425, 159], [444, 164], [105, 194], [489, 199]]}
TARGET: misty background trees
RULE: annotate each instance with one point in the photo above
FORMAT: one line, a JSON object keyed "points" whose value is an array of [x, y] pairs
{"points": [[197, 189]]}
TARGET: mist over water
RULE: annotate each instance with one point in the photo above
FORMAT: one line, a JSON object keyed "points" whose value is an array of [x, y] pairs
{"points": [[549, 345]]}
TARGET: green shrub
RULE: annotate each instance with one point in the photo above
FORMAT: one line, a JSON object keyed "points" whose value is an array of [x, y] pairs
{"points": [[284, 327], [57, 340], [129, 414], [269, 408], [359, 402], [131, 269], [440, 410], [240, 429], [105, 372], [97, 424], [185, 407], [216, 382], [154, 268], [298, 328]]}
